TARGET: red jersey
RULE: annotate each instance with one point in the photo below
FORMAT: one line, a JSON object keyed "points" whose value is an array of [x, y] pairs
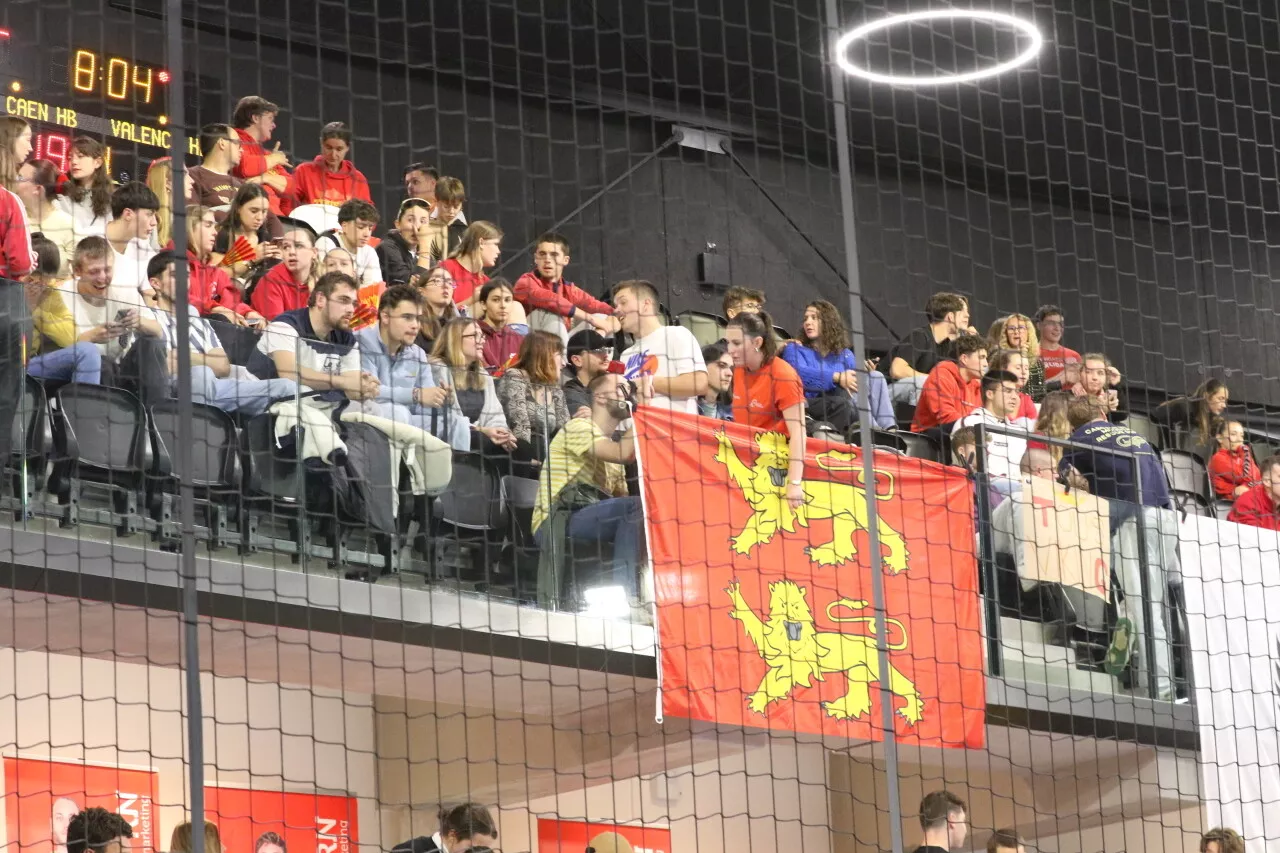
{"points": [[16, 256], [1056, 359], [558, 297], [761, 396], [209, 287], [465, 282], [278, 291], [313, 183], [253, 162], [1230, 469], [946, 397], [1256, 509]]}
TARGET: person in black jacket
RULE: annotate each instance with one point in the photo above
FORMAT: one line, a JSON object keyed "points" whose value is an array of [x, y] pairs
{"points": [[462, 828], [1193, 416], [400, 251]]}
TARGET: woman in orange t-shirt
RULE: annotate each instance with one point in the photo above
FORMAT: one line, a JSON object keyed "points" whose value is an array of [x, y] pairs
{"points": [[767, 392]]}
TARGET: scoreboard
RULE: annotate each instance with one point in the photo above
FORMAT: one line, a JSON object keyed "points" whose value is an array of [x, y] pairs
{"points": [[120, 100]]}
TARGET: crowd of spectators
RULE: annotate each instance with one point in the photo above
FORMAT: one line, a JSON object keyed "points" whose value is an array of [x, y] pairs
{"points": [[410, 327]]}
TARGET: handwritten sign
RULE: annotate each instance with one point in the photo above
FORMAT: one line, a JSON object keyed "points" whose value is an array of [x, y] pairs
{"points": [[1068, 538]]}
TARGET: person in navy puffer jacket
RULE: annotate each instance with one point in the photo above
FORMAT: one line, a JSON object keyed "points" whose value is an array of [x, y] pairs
{"points": [[827, 368]]}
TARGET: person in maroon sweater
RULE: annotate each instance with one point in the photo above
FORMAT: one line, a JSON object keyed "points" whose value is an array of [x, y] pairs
{"points": [[1260, 506], [553, 304], [331, 178], [287, 286], [501, 340], [254, 122], [210, 289]]}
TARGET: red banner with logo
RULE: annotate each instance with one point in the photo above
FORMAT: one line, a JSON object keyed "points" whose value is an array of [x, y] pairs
{"points": [[308, 823], [40, 797], [764, 615], [571, 836]]}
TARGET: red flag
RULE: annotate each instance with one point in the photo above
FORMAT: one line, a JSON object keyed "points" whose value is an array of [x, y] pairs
{"points": [[764, 615]]}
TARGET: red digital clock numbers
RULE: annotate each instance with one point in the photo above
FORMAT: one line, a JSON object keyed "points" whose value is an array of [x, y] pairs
{"points": [[56, 148], [114, 77]]}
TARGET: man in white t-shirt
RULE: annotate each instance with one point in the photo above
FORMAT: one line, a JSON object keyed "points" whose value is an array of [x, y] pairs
{"points": [[133, 208], [1000, 402], [105, 314], [665, 362], [356, 221], [314, 346]]}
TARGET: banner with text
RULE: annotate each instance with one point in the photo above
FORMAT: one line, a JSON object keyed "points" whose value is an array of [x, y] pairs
{"points": [[307, 823], [40, 798], [570, 836]]}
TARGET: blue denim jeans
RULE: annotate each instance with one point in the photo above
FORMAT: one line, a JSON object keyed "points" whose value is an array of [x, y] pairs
{"points": [[616, 520], [249, 397], [80, 362]]}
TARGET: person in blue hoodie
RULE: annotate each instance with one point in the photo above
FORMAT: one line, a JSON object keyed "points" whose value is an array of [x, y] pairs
{"points": [[407, 391], [828, 369]]}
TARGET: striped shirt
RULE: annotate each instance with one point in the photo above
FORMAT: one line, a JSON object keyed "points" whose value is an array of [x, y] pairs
{"points": [[203, 339]]}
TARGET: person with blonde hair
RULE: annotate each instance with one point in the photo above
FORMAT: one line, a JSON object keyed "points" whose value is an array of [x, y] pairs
{"points": [[1017, 332], [181, 841], [1221, 840], [478, 250], [456, 363]]}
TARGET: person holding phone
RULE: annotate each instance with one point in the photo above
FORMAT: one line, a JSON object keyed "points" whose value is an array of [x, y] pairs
{"points": [[102, 315]]}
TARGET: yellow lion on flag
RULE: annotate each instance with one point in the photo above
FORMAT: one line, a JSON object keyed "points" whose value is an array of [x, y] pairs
{"points": [[764, 487], [797, 653]]}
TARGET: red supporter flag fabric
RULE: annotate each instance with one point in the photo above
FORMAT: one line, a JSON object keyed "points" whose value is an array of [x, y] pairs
{"points": [[764, 613]]}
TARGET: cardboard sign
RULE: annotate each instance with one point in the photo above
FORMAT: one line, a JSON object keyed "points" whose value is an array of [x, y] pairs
{"points": [[1068, 537]]}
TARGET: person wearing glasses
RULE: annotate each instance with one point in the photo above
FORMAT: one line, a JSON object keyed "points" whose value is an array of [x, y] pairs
{"points": [[589, 354], [458, 365], [315, 347], [436, 286], [407, 390]]}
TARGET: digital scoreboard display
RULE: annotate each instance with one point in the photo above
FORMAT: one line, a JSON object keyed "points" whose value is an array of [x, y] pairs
{"points": [[120, 100]]}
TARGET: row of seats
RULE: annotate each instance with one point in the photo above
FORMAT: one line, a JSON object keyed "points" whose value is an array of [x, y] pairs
{"points": [[90, 453]]}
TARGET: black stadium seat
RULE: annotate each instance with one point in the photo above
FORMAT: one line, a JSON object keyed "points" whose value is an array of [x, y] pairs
{"points": [[216, 472], [32, 444], [102, 440]]}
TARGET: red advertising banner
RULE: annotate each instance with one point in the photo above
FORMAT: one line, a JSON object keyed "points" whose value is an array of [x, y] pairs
{"points": [[571, 836], [764, 612], [308, 823], [40, 798]]}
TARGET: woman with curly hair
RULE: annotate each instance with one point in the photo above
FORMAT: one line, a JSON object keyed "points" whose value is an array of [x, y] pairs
{"points": [[827, 367], [1017, 332]]}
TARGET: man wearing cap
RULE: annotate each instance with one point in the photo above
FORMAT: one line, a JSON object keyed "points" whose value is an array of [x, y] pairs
{"points": [[589, 353]]}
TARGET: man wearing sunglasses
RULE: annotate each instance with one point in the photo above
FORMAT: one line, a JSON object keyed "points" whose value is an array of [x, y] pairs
{"points": [[589, 353]]}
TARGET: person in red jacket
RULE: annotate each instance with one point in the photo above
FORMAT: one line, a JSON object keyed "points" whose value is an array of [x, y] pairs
{"points": [[953, 389], [254, 122], [287, 286], [210, 289], [330, 178], [553, 304], [1260, 506], [1232, 470], [16, 261]]}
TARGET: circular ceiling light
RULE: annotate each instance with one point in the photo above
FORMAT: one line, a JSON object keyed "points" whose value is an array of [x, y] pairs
{"points": [[1026, 28]]}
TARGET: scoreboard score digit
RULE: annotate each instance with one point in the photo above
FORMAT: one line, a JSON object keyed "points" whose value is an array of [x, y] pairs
{"points": [[56, 148]]}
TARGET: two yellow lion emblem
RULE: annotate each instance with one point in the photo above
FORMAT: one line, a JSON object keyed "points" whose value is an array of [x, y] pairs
{"points": [[764, 486], [797, 653]]}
